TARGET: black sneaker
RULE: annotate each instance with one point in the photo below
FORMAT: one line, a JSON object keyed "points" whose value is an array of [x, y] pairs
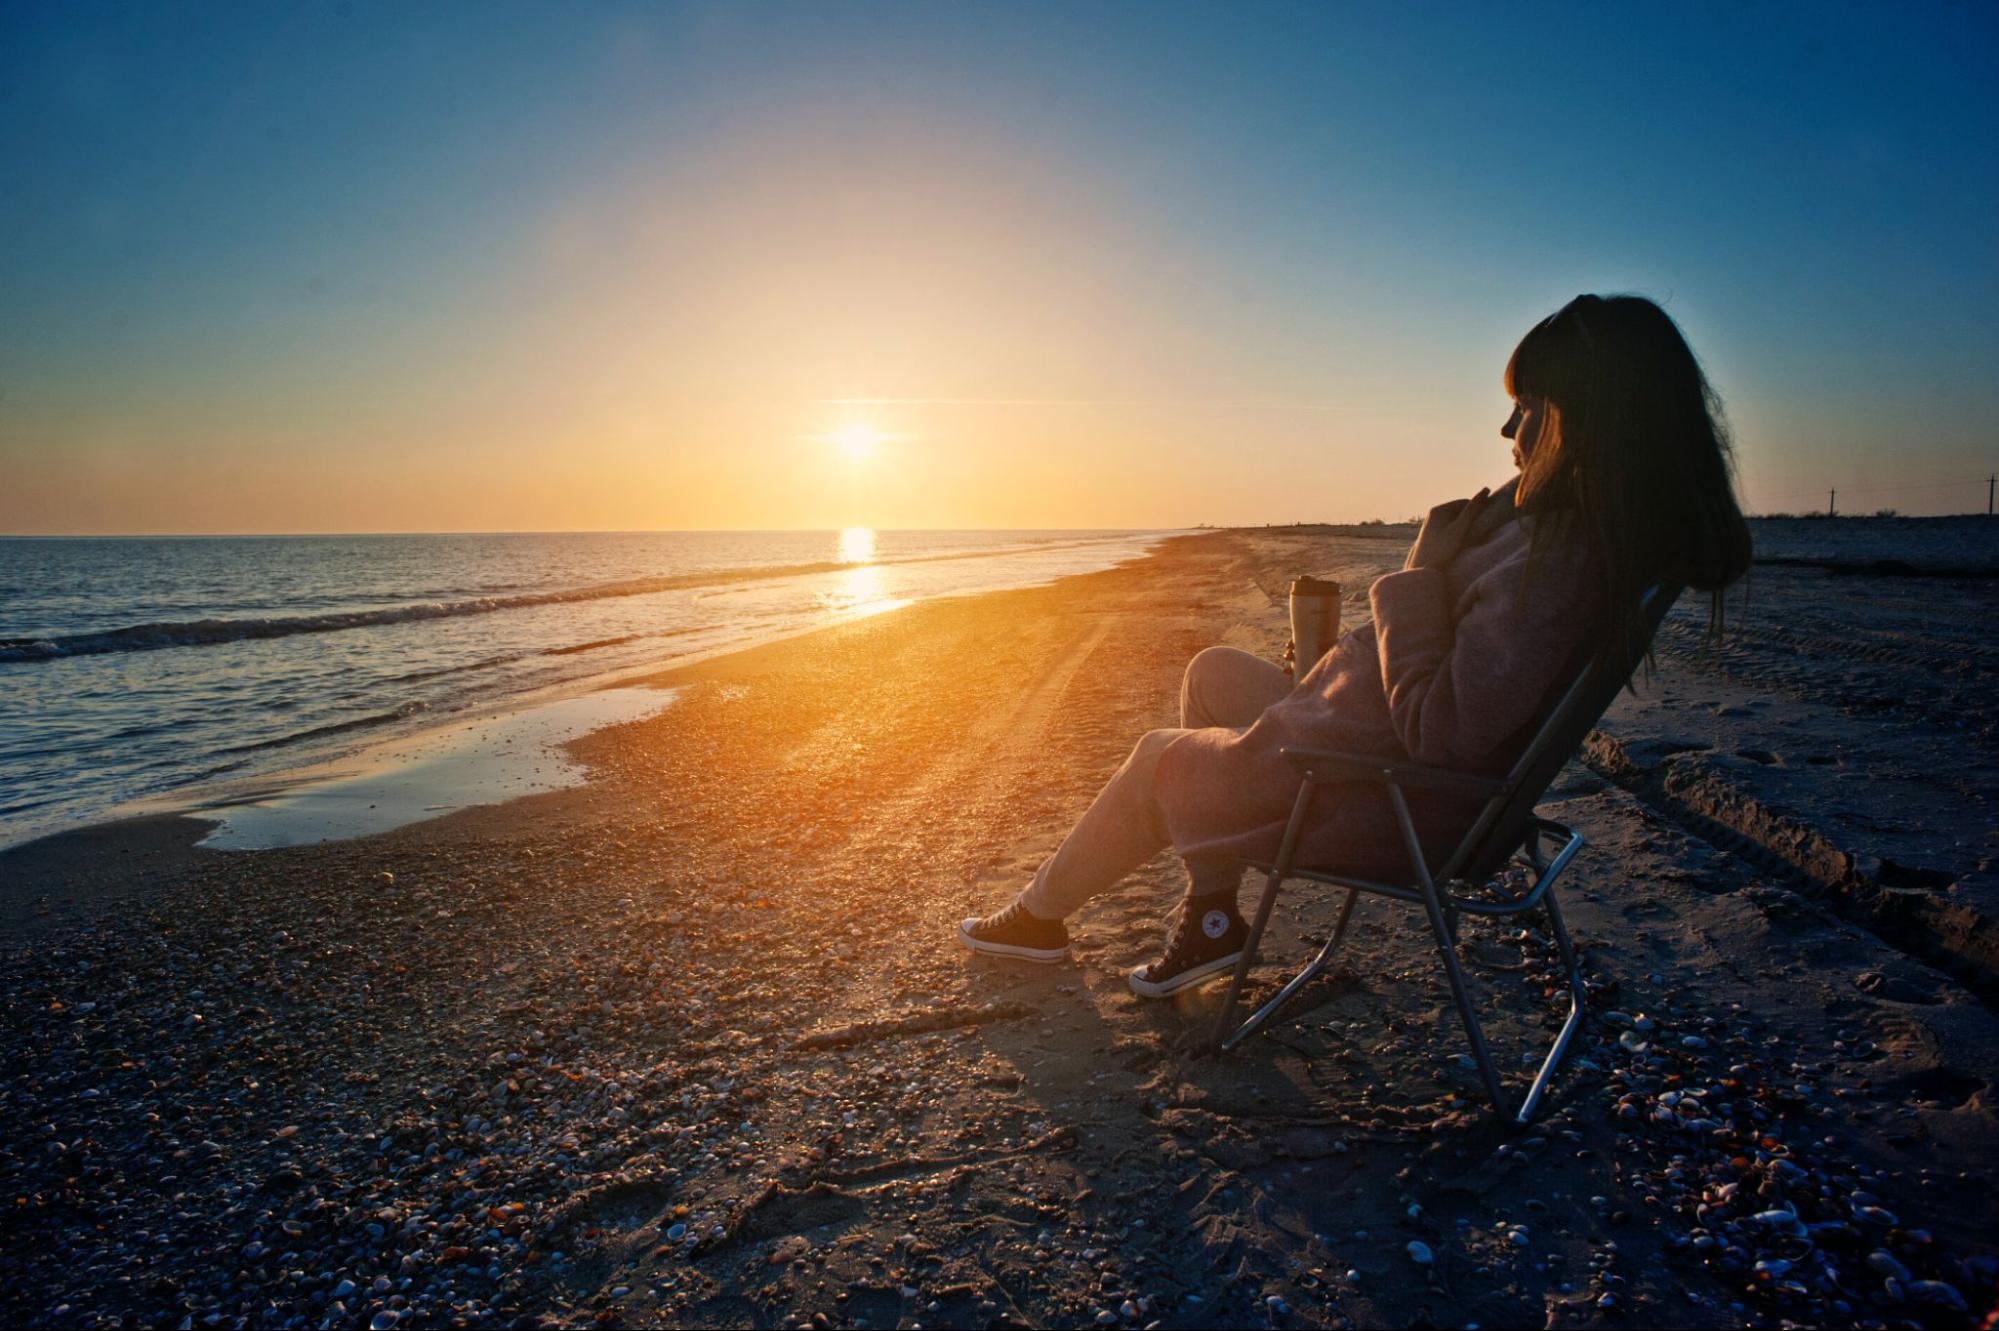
{"points": [[1207, 938], [1015, 932]]}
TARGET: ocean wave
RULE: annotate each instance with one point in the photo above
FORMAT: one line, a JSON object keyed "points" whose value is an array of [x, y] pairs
{"points": [[621, 640], [439, 672], [618, 641], [398, 713], [212, 632]]}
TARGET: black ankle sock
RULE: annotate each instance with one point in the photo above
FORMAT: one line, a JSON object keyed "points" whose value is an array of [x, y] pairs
{"points": [[1200, 903], [1213, 884]]}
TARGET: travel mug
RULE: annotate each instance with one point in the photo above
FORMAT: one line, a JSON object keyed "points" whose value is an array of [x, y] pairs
{"points": [[1315, 622]]}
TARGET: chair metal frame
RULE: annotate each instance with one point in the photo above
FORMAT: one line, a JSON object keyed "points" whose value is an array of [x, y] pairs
{"points": [[1507, 829]]}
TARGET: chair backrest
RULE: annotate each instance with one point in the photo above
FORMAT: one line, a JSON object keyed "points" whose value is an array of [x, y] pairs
{"points": [[1503, 824]]}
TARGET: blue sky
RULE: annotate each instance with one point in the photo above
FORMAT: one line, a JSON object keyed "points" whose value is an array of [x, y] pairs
{"points": [[312, 267]]}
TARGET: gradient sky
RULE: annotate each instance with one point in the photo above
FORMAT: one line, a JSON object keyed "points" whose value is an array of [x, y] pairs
{"points": [[486, 267]]}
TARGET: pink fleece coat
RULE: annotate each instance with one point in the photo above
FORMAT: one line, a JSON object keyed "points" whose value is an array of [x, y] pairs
{"points": [[1456, 668]]}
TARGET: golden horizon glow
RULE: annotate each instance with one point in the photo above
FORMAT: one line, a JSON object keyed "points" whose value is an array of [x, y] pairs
{"points": [[702, 344]]}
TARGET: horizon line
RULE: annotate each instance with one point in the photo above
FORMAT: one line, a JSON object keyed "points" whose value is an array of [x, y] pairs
{"points": [[568, 531], [1178, 404]]}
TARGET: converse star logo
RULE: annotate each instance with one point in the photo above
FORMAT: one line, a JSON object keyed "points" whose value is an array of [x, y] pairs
{"points": [[1215, 923]]}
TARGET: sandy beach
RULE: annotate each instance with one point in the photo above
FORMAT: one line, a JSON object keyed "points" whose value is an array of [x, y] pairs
{"points": [[692, 1044]]}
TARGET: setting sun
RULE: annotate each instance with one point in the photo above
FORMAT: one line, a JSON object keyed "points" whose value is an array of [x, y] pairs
{"points": [[857, 441]]}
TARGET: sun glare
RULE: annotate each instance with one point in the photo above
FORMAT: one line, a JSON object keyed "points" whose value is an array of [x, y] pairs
{"points": [[856, 440]]}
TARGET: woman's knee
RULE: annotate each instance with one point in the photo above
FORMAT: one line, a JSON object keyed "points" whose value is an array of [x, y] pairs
{"points": [[1208, 663], [1136, 776], [1198, 682], [1130, 788], [1226, 686]]}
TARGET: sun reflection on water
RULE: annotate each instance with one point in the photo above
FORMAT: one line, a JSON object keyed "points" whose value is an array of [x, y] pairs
{"points": [[861, 588], [857, 545]]}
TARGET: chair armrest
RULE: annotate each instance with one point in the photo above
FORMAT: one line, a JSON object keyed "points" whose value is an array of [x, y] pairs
{"points": [[1322, 765]]}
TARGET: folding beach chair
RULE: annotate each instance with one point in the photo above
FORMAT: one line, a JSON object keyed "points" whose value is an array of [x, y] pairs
{"points": [[1506, 827]]}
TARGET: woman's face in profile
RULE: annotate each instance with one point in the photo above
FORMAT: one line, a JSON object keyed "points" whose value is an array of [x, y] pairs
{"points": [[1523, 427]]}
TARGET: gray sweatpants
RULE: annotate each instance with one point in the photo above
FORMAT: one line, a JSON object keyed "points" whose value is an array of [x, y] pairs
{"points": [[1123, 828]]}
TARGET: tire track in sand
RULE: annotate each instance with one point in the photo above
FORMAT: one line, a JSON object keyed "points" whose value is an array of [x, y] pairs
{"points": [[995, 756]]}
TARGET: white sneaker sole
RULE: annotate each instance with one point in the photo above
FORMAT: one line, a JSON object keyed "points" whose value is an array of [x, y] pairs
{"points": [[1186, 979], [1047, 956]]}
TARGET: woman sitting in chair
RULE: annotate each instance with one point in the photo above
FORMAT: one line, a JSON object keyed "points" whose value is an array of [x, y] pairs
{"points": [[1625, 481]]}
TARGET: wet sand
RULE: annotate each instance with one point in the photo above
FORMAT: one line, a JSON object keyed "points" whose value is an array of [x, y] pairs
{"points": [[692, 1044]]}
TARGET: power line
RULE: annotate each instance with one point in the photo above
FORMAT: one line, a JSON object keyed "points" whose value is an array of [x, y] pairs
{"points": [[1831, 493], [1913, 485], [1871, 489]]}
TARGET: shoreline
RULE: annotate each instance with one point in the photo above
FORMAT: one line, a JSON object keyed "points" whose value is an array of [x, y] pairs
{"points": [[53, 878], [691, 1044], [370, 747]]}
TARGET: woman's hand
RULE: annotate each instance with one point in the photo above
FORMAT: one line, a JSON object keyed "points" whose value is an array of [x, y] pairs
{"points": [[1445, 531]]}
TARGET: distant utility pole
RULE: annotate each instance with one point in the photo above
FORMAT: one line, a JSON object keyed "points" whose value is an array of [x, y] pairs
{"points": [[1832, 503]]}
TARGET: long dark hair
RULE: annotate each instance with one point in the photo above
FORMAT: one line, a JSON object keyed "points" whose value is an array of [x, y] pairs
{"points": [[1633, 456]]}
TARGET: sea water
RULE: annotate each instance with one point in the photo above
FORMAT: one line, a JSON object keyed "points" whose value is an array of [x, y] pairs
{"points": [[135, 667]]}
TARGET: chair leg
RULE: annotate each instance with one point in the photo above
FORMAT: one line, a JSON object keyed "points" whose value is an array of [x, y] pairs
{"points": [[1578, 998], [1221, 1038], [1297, 982], [1433, 907], [1461, 992], [1346, 913]]}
